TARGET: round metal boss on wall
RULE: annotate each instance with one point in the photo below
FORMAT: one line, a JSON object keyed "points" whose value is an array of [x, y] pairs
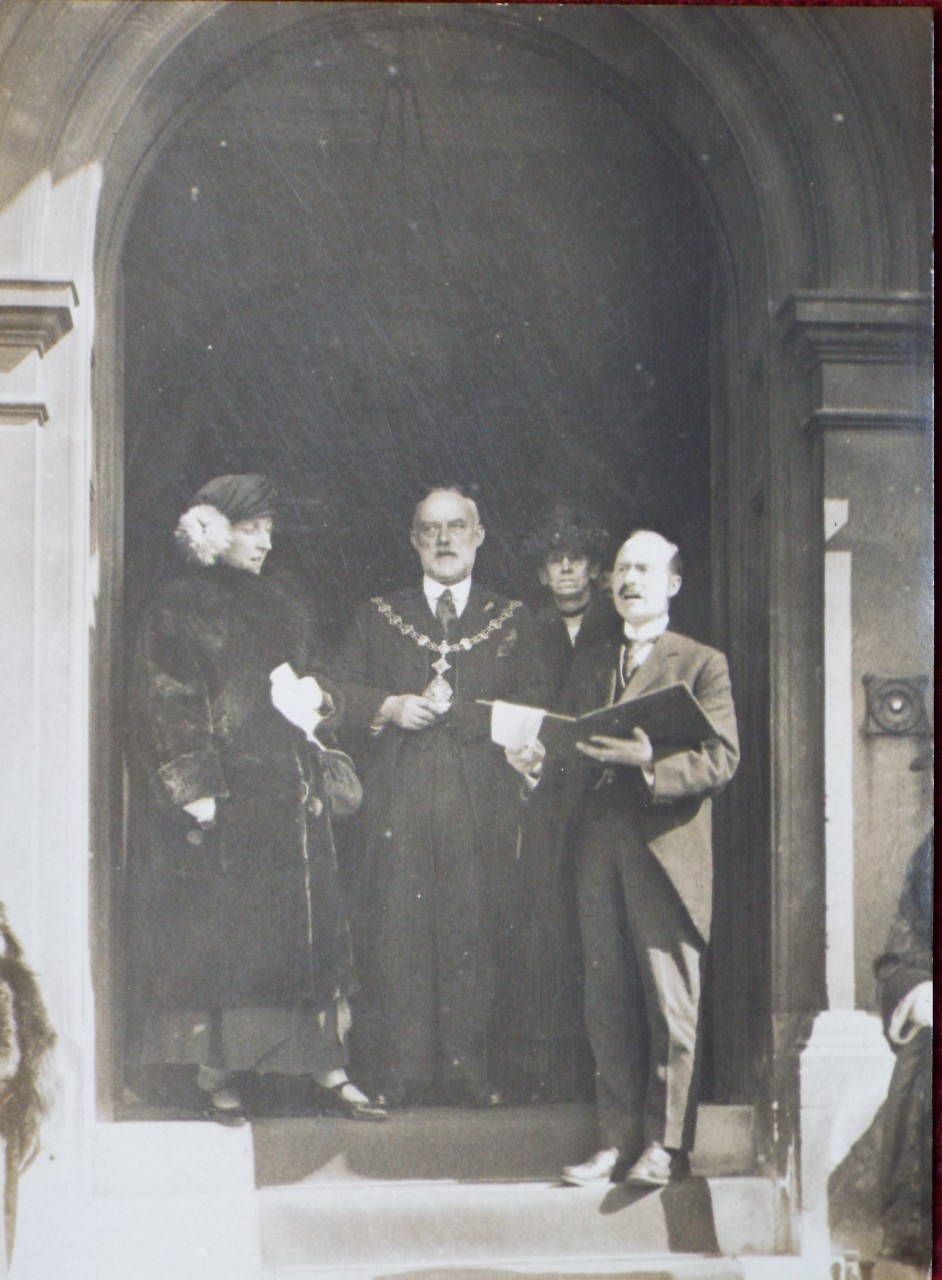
{"points": [[897, 705]]}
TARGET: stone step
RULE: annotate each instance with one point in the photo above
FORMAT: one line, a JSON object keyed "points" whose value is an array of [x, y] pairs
{"points": [[651, 1267], [505, 1145], [473, 1194], [328, 1226]]}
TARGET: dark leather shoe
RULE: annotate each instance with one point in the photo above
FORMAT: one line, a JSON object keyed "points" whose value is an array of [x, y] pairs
{"points": [[355, 1108], [399, 1095], [225, 1107], [527, 1089], [657, 1166], [463, 1091]]}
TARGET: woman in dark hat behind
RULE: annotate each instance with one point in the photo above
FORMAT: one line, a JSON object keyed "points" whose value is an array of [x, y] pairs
{"points": [[239, 945], [549, 1046], [567, 550]]}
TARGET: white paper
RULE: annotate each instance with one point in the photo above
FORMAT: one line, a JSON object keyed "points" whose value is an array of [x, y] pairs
{"points": [[514, 726], [298, 700]]}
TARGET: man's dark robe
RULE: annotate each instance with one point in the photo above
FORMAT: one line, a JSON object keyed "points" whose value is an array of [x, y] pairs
{"points": [[440, 828], [250, 912]]}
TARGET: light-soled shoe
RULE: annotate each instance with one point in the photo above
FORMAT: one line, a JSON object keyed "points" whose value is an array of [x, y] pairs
{"points": [[599, 1168], [653, 1168]]}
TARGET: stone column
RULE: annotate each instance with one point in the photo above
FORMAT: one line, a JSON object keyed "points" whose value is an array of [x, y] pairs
{"points": [[45, 352], [863, 364], [838, 762], [155, 1200]]}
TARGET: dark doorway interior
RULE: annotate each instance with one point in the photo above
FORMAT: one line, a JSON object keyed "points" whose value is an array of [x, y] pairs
{"points": [[411, 256], [402, 258]]}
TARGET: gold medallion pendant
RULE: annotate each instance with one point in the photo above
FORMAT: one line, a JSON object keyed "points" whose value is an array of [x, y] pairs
{"points": [[438, 689]]}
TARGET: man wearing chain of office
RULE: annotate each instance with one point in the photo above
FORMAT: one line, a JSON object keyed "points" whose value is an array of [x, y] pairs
{"points": [[433, 911]]}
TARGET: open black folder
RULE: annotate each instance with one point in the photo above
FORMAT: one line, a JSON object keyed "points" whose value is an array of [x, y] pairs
{"points": [[670, 717]]}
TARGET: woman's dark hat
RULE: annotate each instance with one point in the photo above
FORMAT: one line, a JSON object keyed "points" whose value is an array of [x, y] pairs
{"points": [[566, 529], [204, 530], [239, 497]]}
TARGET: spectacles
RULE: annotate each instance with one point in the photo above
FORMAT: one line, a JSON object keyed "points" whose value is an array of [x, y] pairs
{"points": [[429, 531]]}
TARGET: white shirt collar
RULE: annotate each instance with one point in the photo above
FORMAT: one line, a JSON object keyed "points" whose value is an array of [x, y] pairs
{"points": [[459, 592], [648, 632]]}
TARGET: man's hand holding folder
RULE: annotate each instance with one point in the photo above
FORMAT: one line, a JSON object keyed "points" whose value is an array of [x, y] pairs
{"points": [[635, 751], [624, 733]]}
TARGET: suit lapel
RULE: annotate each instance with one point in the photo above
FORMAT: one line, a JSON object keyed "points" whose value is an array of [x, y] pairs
{"points": [[412, 607], [474, 617], [655, 671]]}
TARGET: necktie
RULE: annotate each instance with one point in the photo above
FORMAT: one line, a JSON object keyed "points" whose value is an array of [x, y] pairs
{"points": [[446, 613], [629, 661]]}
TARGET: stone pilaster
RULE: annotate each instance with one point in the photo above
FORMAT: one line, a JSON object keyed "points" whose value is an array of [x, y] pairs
{"points": [[861, 365]]}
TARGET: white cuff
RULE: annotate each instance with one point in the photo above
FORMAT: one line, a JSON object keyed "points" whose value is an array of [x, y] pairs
{"points": [[910, 1015]]}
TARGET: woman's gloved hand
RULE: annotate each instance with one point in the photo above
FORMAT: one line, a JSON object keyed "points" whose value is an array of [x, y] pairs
{"points": [[299, 701], [202, 811]]}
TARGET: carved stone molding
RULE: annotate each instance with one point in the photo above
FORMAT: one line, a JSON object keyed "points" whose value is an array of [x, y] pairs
{"points": [[23, 415], [864, 361], [34, 315]]}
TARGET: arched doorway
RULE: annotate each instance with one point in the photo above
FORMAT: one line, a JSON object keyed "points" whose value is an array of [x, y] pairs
{"points": [[392, 256], [589, 326], [768, 236]]}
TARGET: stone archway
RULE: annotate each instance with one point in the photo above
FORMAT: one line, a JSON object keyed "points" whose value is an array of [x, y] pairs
{"points": [[737, 1081], [799, 242]]}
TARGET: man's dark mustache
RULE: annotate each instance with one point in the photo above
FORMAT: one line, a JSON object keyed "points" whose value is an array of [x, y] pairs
{"points": [[625, 593]]}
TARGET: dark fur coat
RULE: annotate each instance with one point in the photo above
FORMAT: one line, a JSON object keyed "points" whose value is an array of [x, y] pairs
{"points": [[249, 912]]}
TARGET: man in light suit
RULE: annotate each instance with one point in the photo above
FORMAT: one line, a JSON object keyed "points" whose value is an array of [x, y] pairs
{"points": [[644, 868]]}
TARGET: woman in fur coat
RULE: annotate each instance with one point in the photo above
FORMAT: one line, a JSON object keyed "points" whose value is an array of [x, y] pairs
{"points": [[239, 938]]}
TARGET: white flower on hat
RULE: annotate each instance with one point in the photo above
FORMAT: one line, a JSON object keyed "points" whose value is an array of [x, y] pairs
{"points": [[203, 533]]}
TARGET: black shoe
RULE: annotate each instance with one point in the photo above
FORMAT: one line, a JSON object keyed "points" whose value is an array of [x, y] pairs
{"points": [[464, 1091], [224, 1107], [400, 1095], [354, 1108], [537, 1090]]}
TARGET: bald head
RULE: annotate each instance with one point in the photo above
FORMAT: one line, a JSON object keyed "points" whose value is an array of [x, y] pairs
{"points": [[646, 577]]}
